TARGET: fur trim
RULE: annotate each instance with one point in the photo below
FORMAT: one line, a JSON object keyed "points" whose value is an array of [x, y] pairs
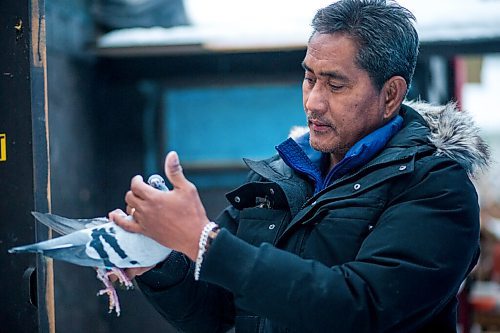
{"points": [[455, 135], [297, 131]]}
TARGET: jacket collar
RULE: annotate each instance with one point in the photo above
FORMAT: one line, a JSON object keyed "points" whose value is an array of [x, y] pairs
{"points": [[300, 156]]}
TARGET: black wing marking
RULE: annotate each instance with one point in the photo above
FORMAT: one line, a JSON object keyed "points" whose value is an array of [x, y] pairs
{"points": [[109, 238]]}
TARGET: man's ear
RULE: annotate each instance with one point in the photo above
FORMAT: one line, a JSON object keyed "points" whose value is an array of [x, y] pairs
{"points": [[394, 92]]}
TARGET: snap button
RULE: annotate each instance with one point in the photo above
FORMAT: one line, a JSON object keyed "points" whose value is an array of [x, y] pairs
{"points": [[357, 186], [402, 168], [237, 199], [272, 226], [370, 227], [271, 191], [314, 203]]}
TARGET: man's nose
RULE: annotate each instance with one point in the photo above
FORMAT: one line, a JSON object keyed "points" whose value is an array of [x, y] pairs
{"points": [[315, 99]]}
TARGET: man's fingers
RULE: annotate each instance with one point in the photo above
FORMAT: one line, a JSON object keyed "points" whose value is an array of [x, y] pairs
{"points": [[173, 170], [136, 271], [140, 188], [127, 224], [131, 273], [114, 213], [130, 210], [133, 201]]}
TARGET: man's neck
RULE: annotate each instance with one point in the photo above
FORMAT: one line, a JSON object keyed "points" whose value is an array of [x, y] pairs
{"points": [[334, 160]]}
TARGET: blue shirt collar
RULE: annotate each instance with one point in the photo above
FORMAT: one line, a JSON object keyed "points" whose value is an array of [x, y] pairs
{"points": [[300, 156]]}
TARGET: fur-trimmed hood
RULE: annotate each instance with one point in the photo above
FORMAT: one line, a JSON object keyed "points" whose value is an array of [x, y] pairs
{"points": [[455, 135], [453, 132]]}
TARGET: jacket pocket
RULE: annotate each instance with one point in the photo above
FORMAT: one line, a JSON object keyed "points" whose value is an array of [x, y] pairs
{"points": [[261, 225], [247, 324], [335, 234]]}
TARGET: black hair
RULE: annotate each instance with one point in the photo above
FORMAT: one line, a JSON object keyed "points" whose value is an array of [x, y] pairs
{"points": [[383, 30]]}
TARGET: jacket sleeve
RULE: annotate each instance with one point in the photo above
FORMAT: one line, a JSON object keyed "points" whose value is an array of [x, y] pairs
{"points": [[189, 305], [408, 268]]}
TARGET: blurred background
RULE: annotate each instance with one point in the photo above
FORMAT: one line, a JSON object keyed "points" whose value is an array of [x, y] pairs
{"points": [[129, 80]]}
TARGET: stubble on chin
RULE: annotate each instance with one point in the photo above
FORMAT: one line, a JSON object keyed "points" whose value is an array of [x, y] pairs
{"points": [[335, 148]]}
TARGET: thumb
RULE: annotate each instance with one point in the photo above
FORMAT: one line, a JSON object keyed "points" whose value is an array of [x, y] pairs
{"points": [[173, 170]]}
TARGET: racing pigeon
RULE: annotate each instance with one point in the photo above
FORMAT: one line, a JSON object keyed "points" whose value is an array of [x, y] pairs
{"points": [[102, 244]]}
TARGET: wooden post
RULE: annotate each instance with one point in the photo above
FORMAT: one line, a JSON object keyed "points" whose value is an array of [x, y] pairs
{"points": [[27, 293]]}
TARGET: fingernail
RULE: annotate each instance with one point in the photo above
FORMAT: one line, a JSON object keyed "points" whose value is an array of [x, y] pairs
{"points": [[174, 160], [175, 157]]}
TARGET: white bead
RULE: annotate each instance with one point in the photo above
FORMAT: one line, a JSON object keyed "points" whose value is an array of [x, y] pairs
{"points": [[202, 248]]}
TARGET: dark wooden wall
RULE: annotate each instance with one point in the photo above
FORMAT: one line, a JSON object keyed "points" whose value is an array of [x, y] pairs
{"points": [[26, 292]]}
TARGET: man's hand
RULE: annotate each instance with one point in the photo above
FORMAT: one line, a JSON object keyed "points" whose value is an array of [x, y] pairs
{"points": [[131, 273], [174, 219]]}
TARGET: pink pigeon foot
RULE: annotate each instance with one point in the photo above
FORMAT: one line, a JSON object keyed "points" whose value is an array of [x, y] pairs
{"points": [[103, 275]]}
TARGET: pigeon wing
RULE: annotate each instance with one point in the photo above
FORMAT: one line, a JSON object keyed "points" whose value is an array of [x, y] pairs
{"points": [[70, 248], [65, 226]]}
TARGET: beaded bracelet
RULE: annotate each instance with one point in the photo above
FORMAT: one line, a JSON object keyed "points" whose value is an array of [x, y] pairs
{"points": [[202, 247]]}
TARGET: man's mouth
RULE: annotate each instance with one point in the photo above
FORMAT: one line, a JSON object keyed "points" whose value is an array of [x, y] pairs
{"points": [[318, 126]]}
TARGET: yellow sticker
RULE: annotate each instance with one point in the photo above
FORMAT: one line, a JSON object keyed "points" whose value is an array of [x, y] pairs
{"points": [[3, 147]]}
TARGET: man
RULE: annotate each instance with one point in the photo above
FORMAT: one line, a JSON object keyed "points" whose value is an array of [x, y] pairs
{"points": [[366, 223]]}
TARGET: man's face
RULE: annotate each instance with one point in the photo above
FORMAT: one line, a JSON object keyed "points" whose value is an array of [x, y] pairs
{"points": [[341, 103]]}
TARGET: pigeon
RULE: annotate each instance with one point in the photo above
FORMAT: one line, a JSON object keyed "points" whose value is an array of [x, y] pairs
{"points": [[100, 243]]}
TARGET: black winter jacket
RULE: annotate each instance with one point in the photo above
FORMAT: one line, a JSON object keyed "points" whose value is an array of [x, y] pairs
{"points": [[385, 248]]}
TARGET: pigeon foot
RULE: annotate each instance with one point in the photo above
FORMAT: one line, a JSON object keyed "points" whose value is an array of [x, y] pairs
{"points": [[103, 275]]}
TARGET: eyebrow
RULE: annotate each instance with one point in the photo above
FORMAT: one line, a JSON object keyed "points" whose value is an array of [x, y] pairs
{"points": [[332, 74]]}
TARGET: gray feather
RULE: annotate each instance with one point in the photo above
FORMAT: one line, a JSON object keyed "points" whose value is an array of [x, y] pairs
{"points": [[70, 248], [64, 226]]}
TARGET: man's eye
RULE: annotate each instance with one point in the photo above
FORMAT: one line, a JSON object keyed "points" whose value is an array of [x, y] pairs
{"points": [[310, 80], [335, 87]]}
